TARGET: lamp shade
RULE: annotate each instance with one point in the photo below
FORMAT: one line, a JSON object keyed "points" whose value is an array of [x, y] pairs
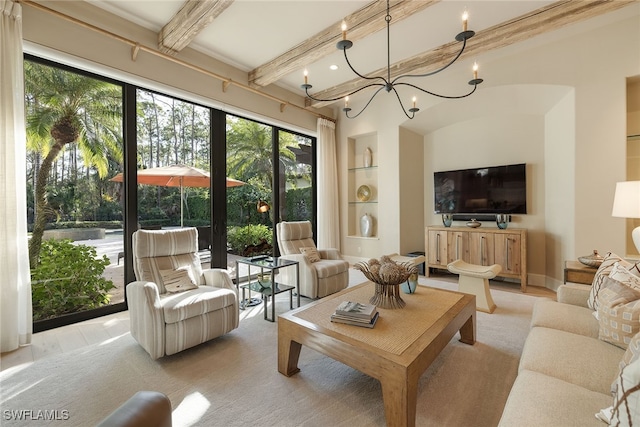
{"points": [[626, 202]]}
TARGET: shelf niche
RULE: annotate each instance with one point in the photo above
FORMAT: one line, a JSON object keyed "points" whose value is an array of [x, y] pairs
{"points": [[359, 174]]}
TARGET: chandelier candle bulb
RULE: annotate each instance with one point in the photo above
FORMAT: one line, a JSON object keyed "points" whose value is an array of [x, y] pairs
{"points": [[465, 19], [475, 70], [344, 30], [414, 102], [346, 101], [306, 77]]}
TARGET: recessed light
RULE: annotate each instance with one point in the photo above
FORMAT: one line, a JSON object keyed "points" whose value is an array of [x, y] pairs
{"points": [[333, 67]]}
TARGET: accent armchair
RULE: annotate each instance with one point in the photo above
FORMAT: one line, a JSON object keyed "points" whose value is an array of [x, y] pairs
{"points": [[320, 275], [174, 304]]}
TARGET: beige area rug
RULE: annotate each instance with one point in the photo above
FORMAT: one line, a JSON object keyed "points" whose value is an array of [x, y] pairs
{"points": [[234, 381]]}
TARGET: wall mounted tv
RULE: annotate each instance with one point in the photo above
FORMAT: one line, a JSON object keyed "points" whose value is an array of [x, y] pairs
{"points": [[490, 190]]}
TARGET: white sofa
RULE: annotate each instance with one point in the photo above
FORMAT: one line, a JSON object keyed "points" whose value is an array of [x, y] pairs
{"points": [[566, 372]]}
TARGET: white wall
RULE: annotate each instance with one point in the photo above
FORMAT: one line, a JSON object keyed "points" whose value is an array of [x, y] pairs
{"points": [[560, 108]]}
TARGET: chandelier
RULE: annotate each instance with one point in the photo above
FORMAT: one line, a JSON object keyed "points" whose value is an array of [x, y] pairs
{"points": [[387, 83]]}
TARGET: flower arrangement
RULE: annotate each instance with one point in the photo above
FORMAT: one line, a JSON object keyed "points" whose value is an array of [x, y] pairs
{"points": [[387, 276]]}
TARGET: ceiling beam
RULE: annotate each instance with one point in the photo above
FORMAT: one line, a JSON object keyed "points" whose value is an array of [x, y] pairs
{"points": [[360, 24], [193, 17], [547, 18]]}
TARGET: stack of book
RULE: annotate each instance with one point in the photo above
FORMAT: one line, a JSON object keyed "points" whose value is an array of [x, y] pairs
{"points": [[355, 313]]}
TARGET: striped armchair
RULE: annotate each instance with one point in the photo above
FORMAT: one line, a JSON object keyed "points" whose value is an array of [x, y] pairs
{"points": [[318, 278], [174, 304]]}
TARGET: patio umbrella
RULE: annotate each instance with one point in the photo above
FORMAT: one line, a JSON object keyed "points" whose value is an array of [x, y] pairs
{"points": [[176, 176]]}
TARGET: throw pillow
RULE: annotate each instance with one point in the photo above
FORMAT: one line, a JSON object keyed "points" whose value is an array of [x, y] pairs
{"points": [[625, 276], [178, 280], [626, 402], [618, 313], [630, 355], [603, 271], [311, 254]]}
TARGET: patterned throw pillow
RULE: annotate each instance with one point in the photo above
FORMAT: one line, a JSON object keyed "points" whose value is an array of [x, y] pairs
{"points": [[311, 254], [625, 275], [618, 313], [603, 271], [179, 280], [631, 355], [626, 402]]}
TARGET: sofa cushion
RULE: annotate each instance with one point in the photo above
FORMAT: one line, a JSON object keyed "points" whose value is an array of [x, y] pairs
{"points": [[603, 271], [184, 305], [570, 318], [626, 403], [618, 312], [583, 361], [540, 400]]}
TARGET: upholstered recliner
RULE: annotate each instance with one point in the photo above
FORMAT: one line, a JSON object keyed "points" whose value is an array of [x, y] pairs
{"points": [[318, 279], [174, 304]]}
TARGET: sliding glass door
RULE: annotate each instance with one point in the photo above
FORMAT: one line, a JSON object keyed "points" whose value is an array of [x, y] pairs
{"points": [[74, 143], [96, 148]]}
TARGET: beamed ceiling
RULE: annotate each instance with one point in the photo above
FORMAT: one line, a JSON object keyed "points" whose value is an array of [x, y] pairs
{"points": [[274, 41]]}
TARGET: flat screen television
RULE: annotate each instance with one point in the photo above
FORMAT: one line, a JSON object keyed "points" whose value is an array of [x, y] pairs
{"points": [[489, 190]]}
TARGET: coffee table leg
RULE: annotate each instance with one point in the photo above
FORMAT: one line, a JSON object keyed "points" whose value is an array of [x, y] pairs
{"points": [[400, 396], [288, 352], [468, 331]]}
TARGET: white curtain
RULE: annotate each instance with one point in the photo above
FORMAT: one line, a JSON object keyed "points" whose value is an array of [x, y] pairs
{"points": [[15, 280], [328, 213]]}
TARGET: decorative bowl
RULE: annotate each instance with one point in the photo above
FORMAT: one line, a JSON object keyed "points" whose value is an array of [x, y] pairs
{"points": [[593, 260], [473, 223], [387, 275], [364, 193]]}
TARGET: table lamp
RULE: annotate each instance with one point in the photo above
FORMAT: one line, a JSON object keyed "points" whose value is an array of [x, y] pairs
{"points": [[626, 204]]}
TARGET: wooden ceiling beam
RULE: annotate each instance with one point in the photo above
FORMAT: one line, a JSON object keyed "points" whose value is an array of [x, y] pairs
{"points": [[193, 17], [547, 18], [360, 24]]}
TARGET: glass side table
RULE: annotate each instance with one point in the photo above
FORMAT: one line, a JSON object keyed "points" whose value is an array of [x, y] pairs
{"points": [[262, 281]]}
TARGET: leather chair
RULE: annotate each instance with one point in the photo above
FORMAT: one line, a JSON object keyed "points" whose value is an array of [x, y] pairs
{"points": [[143, 409], [165, 318], [318, 279]]}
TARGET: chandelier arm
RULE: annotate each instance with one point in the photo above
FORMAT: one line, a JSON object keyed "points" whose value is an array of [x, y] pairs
{"points": [[346, 58], [475, 86], [342, 96], [367, 104], [404, 110], [464, 44]]}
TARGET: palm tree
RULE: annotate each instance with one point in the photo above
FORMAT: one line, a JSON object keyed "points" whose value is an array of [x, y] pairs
{"points": [[65, 108], [249, 151]]}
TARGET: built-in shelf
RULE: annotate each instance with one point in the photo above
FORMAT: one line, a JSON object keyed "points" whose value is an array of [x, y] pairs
{"points": [[363, 168], [363, 238], [360, 175]]}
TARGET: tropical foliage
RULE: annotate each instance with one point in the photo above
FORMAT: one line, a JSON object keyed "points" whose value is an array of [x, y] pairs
{"points": [[66, 108], [68, 279]]}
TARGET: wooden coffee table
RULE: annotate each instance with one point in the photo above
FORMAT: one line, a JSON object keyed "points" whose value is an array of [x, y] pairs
{"points": [[396, 351]]}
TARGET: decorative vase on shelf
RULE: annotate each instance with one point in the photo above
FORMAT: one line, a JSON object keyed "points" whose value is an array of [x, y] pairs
{"points": [[366, 225], [502, 220], [368, 158], [447, 219]]}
